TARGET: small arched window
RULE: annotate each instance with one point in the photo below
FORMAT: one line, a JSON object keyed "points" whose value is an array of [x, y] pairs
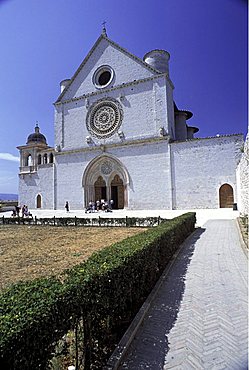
{"points": [[51, 158], [38, 201], [28, 160], [39, 159]]}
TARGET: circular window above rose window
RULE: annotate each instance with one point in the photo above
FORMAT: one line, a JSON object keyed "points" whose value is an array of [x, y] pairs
{"points": [[104, 118], [103, 77]]}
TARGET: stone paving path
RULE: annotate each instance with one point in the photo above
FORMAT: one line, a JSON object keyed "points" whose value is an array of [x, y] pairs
{"points": [[198, 319]]}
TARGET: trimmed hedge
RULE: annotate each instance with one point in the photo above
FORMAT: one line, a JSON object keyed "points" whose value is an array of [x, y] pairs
{"points": [[106, 291], [78, 221]]}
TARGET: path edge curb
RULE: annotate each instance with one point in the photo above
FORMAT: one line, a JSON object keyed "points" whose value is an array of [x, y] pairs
{"points": [[242, 243]]}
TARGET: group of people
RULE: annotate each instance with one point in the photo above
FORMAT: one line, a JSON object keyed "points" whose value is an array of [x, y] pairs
{"points": [[100, 205], [24, 211]]}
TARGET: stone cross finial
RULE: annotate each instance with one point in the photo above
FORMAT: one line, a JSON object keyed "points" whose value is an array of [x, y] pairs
{"points": [[37, 127], [104, 28]]}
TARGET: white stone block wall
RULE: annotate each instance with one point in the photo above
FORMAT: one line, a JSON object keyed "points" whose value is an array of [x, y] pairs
{"points": [[200, 167], [70, 168], [243, 179], [144, 113], [147, 166], [40, 182], [170, 110], [150, 177]]}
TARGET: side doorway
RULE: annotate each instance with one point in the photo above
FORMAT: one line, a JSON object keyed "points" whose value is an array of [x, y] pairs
{"points": [[117, 192], [226, 196]]}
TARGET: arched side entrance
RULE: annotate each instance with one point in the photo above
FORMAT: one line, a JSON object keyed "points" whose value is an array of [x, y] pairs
{"points": [[38, 201], [106, 178], [226, 196]]}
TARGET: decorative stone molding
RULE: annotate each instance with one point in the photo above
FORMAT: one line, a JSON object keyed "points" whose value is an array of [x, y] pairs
{"points": [[88, 139], [106, 168], [100, 72], [118, 87], [103, 148]]}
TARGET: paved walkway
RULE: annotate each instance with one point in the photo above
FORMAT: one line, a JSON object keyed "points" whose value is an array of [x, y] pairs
{"points": [[198, 318]]}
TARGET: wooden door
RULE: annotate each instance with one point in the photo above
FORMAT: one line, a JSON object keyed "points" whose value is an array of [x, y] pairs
{"points": [[117, 190], [226, 196], [100, 189]]}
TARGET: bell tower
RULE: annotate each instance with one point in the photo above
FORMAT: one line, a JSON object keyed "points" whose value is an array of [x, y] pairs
{"points": [[30, 154]]}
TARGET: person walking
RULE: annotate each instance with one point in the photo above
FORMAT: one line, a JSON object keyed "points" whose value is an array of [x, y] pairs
{"points": [[67, 206]]}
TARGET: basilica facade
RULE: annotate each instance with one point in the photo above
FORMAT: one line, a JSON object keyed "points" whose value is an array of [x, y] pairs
{"points": [[119, 135]]}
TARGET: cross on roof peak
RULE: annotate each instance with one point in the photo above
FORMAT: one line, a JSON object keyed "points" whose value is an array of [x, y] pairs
{"points": [[104, 28]]}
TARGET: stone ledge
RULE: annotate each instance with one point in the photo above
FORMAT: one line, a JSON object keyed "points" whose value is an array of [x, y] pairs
{"points": [[121, 144]]}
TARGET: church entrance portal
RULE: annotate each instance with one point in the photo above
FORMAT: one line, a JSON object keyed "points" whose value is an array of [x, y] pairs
{"points": [[226, 196], [106, 178]]}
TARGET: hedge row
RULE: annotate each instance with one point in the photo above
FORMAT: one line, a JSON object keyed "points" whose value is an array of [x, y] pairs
{"points": [[106, 291], [77, 221]]}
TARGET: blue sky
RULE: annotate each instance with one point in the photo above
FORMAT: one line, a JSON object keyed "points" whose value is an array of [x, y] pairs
{"points": [[44, 42]]}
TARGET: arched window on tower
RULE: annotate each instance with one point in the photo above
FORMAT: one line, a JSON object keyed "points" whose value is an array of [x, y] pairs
{"points": [[39, 159], [51, 158], [28, 160], [45, 158]]}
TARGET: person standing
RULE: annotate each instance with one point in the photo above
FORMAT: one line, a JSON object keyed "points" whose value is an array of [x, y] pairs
{"points": [[17, 211], [23, 210], [67, 206]]}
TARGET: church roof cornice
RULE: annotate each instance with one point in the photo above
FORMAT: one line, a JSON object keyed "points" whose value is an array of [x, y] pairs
{"points": [[118, 87], [115, 45], [36, 146], [208, 138]]}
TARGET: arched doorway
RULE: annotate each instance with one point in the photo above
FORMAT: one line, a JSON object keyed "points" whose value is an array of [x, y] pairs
{"points": [[105, 177], [99, 189], [38, 201], [226, 196], [117, 192]]}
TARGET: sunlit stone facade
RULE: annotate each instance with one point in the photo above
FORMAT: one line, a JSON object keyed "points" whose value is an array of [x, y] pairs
{"points": [[119, 135]]}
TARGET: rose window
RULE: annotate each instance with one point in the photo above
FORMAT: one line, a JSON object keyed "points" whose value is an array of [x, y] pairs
{"points": [[106, 168], [104, 118]]}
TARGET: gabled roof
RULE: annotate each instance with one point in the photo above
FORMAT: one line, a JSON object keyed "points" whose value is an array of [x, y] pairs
{"points": [[115, 45]]}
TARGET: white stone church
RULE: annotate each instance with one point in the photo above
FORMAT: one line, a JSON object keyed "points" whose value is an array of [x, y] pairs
{"points": [[119, 135]]}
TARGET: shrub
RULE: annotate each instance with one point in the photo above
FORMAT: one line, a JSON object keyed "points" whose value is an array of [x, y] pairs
{"points": [[105, 291]]}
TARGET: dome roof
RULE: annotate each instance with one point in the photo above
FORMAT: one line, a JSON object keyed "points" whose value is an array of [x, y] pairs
{"points": [[36, 137]]}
